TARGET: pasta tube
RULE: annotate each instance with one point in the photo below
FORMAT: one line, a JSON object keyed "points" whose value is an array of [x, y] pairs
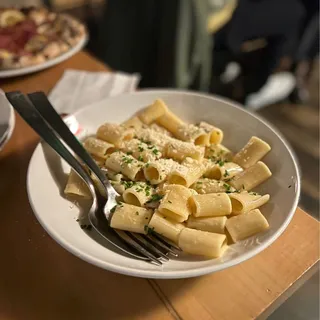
{"points": [[138, 194], [134, 123], [166, 227], [98, 147], [130, 218], [251, 177], [205, 185], [252, 152], [174, 204], [218, 152], [153, 112], [170, 121], [157, 171], [187, 173], [179, 150], [141, 150], [158, 139], [192, 133], [210, 205], [215, 134], [202, 242], [126, 164], [76, 186], [246, 225], [114, 133], [244, 201], [210, 224], [222, 170]]}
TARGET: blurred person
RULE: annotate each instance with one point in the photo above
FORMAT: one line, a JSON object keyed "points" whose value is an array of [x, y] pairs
{"points": [[307, 51], [259, 34]]}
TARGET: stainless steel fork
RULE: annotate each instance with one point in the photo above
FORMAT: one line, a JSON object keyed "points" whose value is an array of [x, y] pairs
{"points": [[41, 116]]}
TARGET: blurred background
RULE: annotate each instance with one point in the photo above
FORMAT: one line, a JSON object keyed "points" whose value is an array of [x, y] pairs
{"points": [[263, 54]]}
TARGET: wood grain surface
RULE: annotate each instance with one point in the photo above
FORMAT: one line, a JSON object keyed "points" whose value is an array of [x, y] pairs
{"points": [[41, 280]]}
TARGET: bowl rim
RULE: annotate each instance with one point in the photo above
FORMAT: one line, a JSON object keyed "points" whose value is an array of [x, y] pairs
{"points": [[160, 274]]}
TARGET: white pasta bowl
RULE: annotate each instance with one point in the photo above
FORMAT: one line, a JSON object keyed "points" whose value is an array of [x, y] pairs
{"points": [[48, 173]]}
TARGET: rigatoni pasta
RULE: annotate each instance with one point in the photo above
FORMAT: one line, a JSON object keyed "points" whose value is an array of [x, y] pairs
{"points": [[157, 171], [76, 186], [252, 152], [187, 173], [202, 243], [178, 150], [174, 204], [130, 218], [165, 226], [114, 133], [210, 205], [153, 112], [138, 194], [98, 148], [194, 134], [178, 180], [251, 177], [246, 225], [126, 164], [247, 201], [205, 185], [215, 134], [210, 224]]}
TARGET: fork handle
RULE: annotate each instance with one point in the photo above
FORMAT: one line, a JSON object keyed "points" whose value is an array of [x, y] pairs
{"points": [[46, 110], [34, 119]]}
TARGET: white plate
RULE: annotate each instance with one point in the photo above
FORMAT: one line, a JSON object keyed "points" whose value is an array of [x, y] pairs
{"points": [[45, 65], [7, 120], [47, 177]]}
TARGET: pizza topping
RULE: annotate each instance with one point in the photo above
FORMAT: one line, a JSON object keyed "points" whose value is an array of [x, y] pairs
{"points": [[36, 43], [11, 17]]}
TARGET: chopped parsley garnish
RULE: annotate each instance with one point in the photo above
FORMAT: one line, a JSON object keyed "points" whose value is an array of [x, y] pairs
{"points": [[140, 149], [147, 190], [227, 187], [137, 213], [253, 193], [128, 184], [129, 152], [148, 230], [113, 209], [147, 165], [140, 158], [226, 173], [126, 160], [220, 162], [146, 141], [169, 201], [155, 197], [155, 151]]}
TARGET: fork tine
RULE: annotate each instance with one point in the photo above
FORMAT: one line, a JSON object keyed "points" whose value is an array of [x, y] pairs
{"points": [[163, 244], [125, 236], [166, 241], [149, 245]]}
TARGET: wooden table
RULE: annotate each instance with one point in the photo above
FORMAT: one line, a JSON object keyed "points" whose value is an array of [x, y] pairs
{"points": [[41, 280]]}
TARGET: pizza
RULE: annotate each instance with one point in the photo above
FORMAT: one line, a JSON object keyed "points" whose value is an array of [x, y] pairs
{"points": [[31, 36]]}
